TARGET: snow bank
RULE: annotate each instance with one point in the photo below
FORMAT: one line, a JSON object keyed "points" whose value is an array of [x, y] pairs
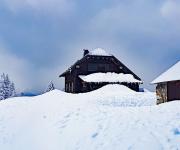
{"points": [[113, 88], [109, 77], [99, 52], [89, 121], [121, 96]]}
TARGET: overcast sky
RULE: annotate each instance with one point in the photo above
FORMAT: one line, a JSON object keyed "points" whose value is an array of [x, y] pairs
{"points": [[39, 39]]}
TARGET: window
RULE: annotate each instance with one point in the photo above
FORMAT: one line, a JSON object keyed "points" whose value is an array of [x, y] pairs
{"points": [[66, 87], [69, 88], [84, 84], [121, 67], [72, 87], [77, 66], [98, 67], [177, 83], [92, 67], [103, 67]]}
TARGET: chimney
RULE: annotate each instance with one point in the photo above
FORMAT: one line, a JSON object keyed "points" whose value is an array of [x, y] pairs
{"points": [[86, 51]]}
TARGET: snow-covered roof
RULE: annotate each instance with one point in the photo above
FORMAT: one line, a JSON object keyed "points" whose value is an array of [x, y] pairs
{"points": [[99, 52], [109, 77], [171, 74]]}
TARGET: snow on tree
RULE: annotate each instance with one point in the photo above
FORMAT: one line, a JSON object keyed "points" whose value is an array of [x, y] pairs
{"points": [[2, 91], [6, 85], [12, 90], [7, 88], [50, 87]]}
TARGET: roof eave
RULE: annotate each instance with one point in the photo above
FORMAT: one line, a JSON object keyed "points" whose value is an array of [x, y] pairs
{"points": [[73, 66], [136, 76], [62, 75], [157, 82]]}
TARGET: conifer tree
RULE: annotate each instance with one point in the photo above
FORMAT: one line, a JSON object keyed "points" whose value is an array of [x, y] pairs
{"points": [[7, 88], [12, 90], [2, 92], [50, 87]]}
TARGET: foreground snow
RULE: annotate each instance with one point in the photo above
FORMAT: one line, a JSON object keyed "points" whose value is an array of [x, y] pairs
{"points": [[100, 120]]}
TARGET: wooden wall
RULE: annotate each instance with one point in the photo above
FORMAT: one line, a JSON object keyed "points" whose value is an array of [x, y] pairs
{"points": [[174, 90], [168, 91]]}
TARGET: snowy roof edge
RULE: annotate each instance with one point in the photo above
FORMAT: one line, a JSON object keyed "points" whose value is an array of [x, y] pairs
{"points": [[110, 77], [99, 52], [167, 75]]}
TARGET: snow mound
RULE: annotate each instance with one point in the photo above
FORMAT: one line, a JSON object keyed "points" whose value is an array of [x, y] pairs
{"points": [[98, 120], [114, 88], [121, 96], [99, 52], [110, 77]]}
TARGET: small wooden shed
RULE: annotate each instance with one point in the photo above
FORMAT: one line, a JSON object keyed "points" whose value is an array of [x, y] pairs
{"points": [[168, 85]]}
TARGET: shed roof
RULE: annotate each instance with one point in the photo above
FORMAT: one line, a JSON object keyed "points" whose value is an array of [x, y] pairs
{"points": [[110, 78], [172, 74]]}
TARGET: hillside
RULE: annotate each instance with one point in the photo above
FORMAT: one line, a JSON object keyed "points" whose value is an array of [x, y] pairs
{"points": [[113, 117]]}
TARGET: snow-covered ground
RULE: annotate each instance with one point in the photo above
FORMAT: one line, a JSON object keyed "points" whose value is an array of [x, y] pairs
{"points": [[111, 118]]}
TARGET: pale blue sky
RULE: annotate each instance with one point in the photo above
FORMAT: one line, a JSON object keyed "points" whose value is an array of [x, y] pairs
{"points": [[41, 38]]}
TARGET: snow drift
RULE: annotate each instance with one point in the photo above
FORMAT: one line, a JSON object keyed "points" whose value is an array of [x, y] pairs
{"points": [[113, 117]]}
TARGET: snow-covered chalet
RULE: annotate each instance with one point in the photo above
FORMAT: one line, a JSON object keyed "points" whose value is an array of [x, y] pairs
{"points": [[98, 68], [168, 84]]}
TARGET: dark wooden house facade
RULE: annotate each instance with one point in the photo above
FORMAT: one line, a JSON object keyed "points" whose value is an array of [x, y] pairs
{"points": [[168, 85], [92, 63]]}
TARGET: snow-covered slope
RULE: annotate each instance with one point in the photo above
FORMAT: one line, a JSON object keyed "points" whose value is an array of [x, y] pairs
{"points": [[111, 118]]}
